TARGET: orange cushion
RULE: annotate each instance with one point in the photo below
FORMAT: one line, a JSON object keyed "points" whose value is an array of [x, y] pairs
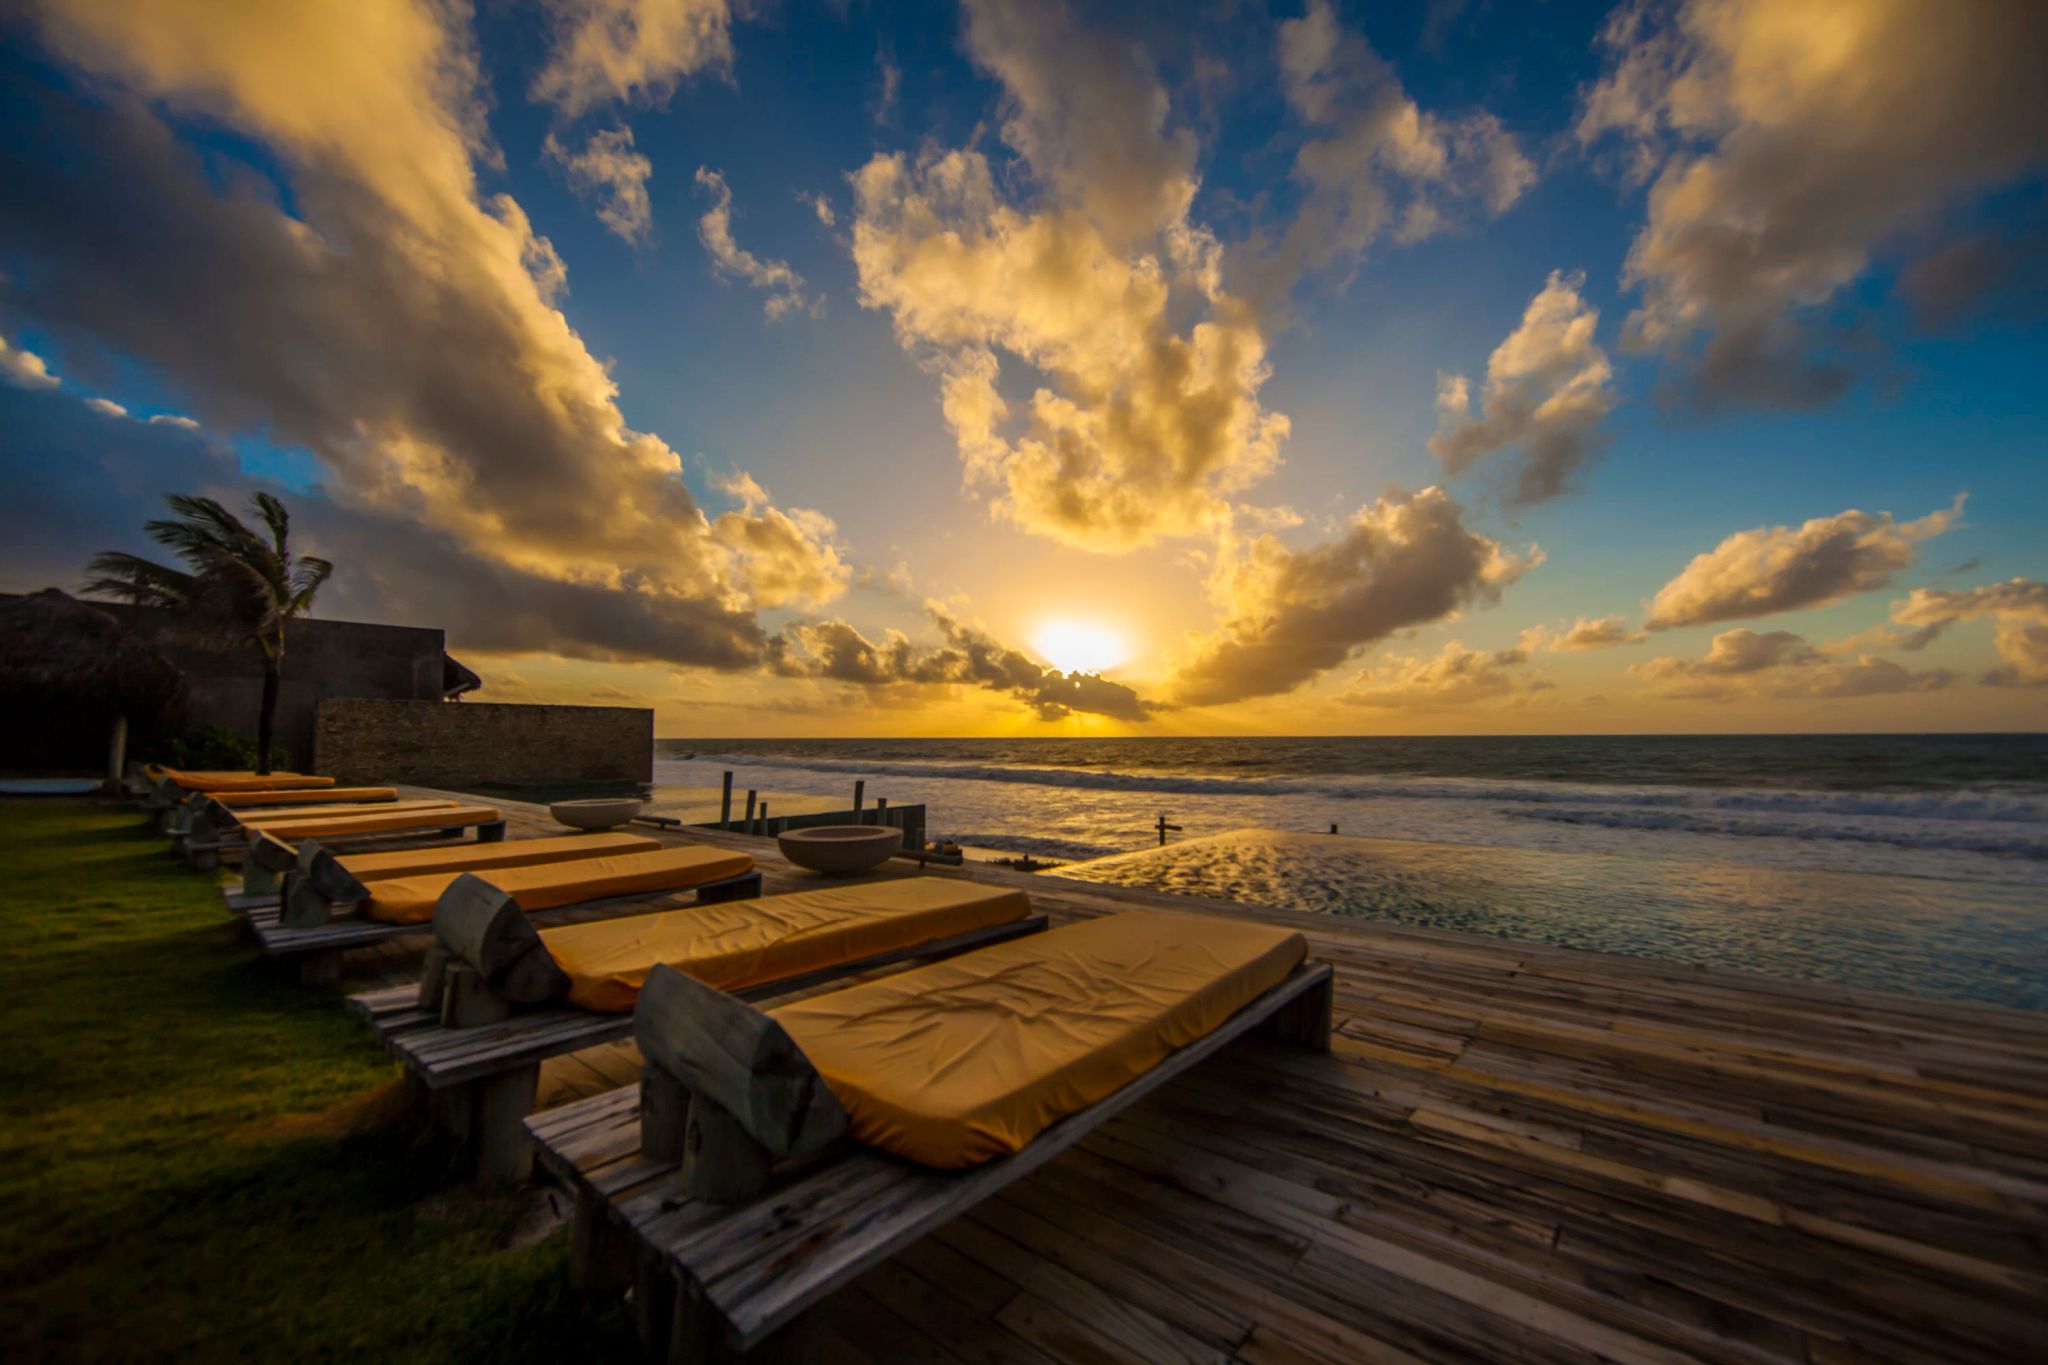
{"points": [[263, 817], [966, 1060], [747, 943], [345, 826], [410, 862], [410, 900], [314, 796], [244, 782]]}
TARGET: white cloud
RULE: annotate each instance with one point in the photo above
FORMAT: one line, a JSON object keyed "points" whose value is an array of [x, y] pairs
{"points": [[1548, 388], [1384, 164], [785, 288], [1780, 568], [172, 419], [609, 167], [106, 407], [1597, 633]]}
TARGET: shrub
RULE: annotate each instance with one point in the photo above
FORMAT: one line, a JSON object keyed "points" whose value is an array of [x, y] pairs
{"points": [[215, 748]]}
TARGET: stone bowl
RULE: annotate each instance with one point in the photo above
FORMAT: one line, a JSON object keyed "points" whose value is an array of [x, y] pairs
{"points": [[840, 850], [604, 812]]}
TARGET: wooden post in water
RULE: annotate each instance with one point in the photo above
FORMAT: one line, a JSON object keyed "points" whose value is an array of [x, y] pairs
{"points": [[1333, 827], [762, 828], [747, 824], [1165, 829], [725, 801], [860, 786]]}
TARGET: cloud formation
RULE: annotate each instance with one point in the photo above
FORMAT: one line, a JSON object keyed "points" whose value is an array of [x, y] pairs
{"points": [[1146, 418], [396, 322], [1789, 142], [1382, 163], [786, 558], [785, 288], [1405, 560], [634, 50], [1741, 663], [106, 407], [1548, 388], [609, 168], [1455, 676], [24, 369], [2018, 608], [970, 656], [1781, 568], [1602, 632]]}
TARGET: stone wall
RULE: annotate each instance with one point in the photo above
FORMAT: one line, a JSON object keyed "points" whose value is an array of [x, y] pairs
{"points": [[322, 659], [465, 744]]}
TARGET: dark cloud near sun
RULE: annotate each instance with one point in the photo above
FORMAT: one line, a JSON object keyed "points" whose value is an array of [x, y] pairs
{"points": [[969, 656]]}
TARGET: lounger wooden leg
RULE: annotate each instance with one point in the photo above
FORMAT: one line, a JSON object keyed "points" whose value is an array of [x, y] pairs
{"points": [[664, 1114], [1305, 1020], [600, 1253], [654, 1301], [258, 880], [320, 968], [493, 833], [504, 1154], [698, 1336]]}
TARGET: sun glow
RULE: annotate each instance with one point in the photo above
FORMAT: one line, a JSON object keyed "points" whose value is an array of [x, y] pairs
{"points": [[1079, 646]]}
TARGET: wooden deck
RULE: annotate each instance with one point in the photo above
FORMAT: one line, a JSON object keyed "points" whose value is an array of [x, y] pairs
{"points": [[1515, 1152]]}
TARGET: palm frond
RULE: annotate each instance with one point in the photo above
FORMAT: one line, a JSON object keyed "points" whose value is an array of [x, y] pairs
{"points": [[273, 514], [120, 576]]}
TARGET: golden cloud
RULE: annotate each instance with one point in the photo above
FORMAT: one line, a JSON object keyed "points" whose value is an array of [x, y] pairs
{"points": [[2019, 609], [1780, 568], [1548, 388], [1787, 143], [1405, 560]]}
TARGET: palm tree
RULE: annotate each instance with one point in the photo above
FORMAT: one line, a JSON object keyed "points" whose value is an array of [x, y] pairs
{"points": [[237, 585]]}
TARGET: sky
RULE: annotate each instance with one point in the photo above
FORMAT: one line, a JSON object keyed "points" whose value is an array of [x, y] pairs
{"points": [[1022, 368]]}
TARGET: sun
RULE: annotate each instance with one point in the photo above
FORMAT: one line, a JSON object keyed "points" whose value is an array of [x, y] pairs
{"points": [[1079, 646]]}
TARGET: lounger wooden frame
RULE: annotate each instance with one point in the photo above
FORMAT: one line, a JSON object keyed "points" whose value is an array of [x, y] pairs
{"points": [[207, 855], [750, 1280], [317, 952], [478, 1082]]}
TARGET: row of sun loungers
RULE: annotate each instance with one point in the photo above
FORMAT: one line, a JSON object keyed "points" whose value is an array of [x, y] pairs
{"points": [[769, 1154]]}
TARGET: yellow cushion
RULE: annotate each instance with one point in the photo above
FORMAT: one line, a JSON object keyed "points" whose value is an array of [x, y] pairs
{"points": [[244, 782], [325, 826], [410, 862], [263, 817], [315, 796], [968, 1059], [410, 900], [747, 943]]}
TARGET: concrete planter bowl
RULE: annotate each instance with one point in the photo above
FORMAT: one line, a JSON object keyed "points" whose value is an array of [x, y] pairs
{"points": [[608, 812], [840, 850]]}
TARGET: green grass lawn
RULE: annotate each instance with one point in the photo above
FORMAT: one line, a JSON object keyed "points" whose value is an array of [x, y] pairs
{"points": [[202, 1159]]}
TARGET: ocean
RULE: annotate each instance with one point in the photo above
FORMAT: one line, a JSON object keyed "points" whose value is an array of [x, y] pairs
{"points": [[1913, 863]]}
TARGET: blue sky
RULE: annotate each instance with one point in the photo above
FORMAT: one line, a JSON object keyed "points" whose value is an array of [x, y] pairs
{"points": [[1499, 149]]}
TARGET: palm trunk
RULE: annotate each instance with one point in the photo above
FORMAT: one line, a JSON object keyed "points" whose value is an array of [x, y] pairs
{"points": [[266, 721]]}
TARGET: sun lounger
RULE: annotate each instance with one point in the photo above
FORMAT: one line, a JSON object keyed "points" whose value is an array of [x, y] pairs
{"points": [[270, 860], [169, 785], [767, 1159], [434, 822], [207, 821], [498, 996], [392, 907], [176, 819]]}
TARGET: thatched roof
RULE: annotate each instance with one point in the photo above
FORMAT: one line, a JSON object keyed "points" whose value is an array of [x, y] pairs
{"points": [[58, 651]]}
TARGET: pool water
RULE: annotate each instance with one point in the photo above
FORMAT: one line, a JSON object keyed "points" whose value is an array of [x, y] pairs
{"points": [[1980, 940]]}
